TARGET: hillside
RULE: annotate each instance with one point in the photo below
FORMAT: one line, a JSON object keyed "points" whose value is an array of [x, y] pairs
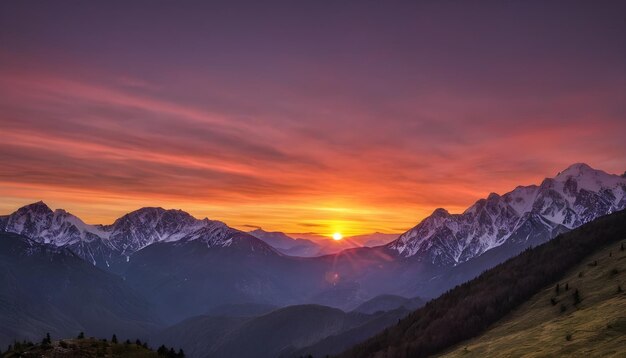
{"points": [[88, 347], [471, 308], [596, 326]]}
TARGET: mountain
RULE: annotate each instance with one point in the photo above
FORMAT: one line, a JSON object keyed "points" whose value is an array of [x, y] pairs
{"points": [[187, 266], [374, 239], [282, 332], [531, 214], [286, 244], [49, 289], [60, 228], [389, 303], [186, 279], [109, 246], [550, 324], [472, 307]]}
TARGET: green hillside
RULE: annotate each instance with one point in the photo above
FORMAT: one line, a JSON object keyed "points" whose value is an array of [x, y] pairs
{"points": [[550, 324]]}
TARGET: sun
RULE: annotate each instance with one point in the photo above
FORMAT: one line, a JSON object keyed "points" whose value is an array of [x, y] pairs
{"points": [[337, 236]]}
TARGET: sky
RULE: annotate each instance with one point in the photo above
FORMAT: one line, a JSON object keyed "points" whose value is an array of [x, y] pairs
{"points": [[303, 116]]}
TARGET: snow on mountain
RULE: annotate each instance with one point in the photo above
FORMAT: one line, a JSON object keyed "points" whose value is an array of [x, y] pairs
{"points": [[146, 226], [105, 244], [38, 222], [575, 196]]}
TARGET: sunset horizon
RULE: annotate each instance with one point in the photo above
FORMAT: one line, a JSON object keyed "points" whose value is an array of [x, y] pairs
{"points": [[333, 226], [289, 179]]}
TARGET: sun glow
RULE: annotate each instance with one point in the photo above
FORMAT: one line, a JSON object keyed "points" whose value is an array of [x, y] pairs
{"points": [[337, 236]]}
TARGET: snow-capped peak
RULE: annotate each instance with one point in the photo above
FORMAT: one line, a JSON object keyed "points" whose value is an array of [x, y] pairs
{"points": [[58, 227], [575, 196], [126, 235]]}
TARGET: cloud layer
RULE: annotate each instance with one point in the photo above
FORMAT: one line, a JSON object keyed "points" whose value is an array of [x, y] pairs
{"points": [[352, 119]]}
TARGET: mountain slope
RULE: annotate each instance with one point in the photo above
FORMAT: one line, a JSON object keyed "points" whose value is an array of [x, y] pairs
{"points": [[286, 244], [472, 307], [596, 326], [575, 196], [50, 289]]}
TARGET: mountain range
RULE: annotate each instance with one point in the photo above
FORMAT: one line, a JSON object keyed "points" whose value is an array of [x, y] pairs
{"points": [[184, 267]]}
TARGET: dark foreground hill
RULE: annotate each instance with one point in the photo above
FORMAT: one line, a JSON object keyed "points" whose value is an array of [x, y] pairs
{"points": [[471, 308], [87, 347]]}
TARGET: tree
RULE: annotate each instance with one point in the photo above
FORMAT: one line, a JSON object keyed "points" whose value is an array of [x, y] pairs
{"points": [[576, 296], [138, 342], [181, 353], [46, 340], [557, 289], [114, 338], [162, 351], [81, 335], [566, 286]]}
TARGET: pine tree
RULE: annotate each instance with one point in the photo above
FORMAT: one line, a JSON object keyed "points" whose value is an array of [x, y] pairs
{"points": [[138, 342], [114, 338], [162, 350], [576, 297], [181, 353], [46, 340], [557, 289], [566, 286], [81, 335]]}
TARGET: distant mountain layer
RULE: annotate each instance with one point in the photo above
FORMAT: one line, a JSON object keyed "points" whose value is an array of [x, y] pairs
{"points": [[286, 244], [316, 245], [471, 308], [384, 303], [285, 332]]}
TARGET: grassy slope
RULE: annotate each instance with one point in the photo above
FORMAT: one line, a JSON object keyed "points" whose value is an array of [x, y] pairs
{"points": [[538, 329], [88, 347]]}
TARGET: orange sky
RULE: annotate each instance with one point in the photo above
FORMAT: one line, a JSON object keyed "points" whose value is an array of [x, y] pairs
{"points": [[366, 124]]}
